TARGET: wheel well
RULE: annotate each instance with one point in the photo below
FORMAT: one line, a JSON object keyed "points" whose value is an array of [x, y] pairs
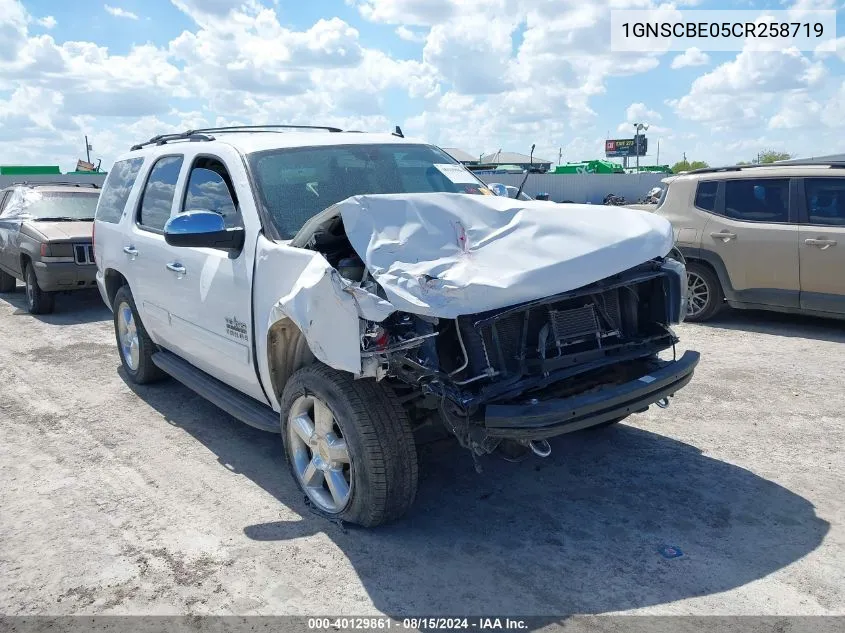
{"points": [[705, 264], [25, 259], [287, 352], [114, 281]]}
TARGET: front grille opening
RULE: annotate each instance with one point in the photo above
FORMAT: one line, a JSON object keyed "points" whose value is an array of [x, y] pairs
{"points": [[83, 253], [566, 333]]}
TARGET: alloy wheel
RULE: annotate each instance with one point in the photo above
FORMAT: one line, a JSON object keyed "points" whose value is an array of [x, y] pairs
{"points": [[319, 454], [698, 294], [127, 332]]}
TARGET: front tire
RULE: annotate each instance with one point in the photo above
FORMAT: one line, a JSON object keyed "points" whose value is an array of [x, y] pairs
{"points": [[7, 282], [133, 343], [349, 446], [37, 301]]}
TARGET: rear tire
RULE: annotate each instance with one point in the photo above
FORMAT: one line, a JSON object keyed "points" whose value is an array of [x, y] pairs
{"points": [[134, 345], [7, 282], [704, 293], [349, 446], [37, 301]]}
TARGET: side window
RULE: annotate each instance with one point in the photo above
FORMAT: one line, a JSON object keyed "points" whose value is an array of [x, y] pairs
{"points": [[117, 188], [4, 196], [210, 188], [158, 193], [825, 201], [757, 200], [705, 195]]}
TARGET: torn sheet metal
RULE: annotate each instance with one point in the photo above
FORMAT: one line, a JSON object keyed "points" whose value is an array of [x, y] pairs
{"points": [[302, 286], [444, 254]]}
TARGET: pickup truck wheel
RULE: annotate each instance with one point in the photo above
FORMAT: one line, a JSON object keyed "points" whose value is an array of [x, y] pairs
{"points": [[37, 301], [349, 445], [704, 293], [133, 343], [7, 282]]}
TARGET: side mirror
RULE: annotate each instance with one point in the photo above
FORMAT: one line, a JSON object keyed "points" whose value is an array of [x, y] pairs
{"points": [[203, 229], [541, 196], [499, 189]]}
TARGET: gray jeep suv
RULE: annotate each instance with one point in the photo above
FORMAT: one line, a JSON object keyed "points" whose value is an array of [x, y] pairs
{"points": [[45, 240]]}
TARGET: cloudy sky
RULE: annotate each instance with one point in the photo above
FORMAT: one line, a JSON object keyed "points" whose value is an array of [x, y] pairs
{"points": [[460, 73]]}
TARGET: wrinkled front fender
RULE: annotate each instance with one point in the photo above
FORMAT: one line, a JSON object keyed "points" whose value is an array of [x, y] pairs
{"points": [[301, 286]]}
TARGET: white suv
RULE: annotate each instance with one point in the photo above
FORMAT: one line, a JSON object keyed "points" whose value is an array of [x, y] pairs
{"points": [[343, 289]]}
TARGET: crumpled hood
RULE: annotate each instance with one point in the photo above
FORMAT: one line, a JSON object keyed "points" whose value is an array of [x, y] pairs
{"points": [[62, 231], [447, 254]]}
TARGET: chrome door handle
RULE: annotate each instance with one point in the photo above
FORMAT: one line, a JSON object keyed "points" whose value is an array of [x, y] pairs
{"points": [[725, 236], [822, 244], [176, 267], [131, 251]]}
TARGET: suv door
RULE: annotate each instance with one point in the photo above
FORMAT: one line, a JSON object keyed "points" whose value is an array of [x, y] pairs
{"points": [[822, 244], [210, 301], [146, 251], [751, 230]]}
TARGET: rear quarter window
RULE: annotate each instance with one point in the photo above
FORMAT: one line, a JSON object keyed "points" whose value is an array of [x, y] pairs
{"points": [[117, 188], [705, 195]]}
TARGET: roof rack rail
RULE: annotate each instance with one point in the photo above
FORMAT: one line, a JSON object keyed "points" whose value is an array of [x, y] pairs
{"points": [[163, 139], [53, 183], [262, 128], [712, 170]]}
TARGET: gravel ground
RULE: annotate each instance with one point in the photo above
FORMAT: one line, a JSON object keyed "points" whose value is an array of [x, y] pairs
{"points": [[128, 500]]}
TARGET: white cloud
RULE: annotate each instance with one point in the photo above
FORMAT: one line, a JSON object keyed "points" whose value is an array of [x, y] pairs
{"points": [[797, 110], [639, 113], [120, 13], [690, 57], [48, 22], [736, 93], [410, 36]]}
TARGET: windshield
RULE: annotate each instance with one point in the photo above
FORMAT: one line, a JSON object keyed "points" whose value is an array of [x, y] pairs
{"points": [[296, 184], [52, 205]]}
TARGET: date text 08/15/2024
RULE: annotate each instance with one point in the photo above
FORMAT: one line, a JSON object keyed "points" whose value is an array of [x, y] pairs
{"points": [[439, 623]]}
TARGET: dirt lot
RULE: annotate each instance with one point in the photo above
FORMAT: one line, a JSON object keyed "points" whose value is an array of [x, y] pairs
{"points": [[117, 499]]}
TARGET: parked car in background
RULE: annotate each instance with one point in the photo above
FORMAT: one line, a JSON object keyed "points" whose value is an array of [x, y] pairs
{"points": [[45, 240], [766, 237], [348, 290]]}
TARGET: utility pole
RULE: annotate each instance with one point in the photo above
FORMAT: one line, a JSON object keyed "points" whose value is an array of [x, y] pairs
{"points": [[87, 150], [657, 162], [559, 155]]}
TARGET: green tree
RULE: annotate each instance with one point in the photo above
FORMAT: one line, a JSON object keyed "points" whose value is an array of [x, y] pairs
{"points": [[771, 156], [685, 165]]}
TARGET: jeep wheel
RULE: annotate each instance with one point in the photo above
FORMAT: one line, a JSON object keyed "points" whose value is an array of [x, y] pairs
{"points": [[349, 445], [704, 293], [133, 343], [37, 301], [7, 282]]}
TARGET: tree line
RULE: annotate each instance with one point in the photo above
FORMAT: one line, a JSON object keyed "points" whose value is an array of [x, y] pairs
{"points": [[765, 157]]}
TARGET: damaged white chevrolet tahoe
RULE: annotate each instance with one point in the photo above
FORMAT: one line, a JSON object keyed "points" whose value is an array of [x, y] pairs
{"points": [[348, 289]]}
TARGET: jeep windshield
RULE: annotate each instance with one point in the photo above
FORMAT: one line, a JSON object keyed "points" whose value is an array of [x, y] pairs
{"points": [[52, 206], [296, 184]]}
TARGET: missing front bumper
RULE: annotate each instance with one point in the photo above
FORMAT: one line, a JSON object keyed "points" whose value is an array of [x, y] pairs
{"points": [[556, 417]]}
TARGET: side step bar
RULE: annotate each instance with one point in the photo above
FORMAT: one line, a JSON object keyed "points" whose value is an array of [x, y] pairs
{"points": [[233, 402]]}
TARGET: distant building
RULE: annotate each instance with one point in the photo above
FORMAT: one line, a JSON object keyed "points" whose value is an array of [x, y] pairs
{"points": [[461, 156], [515, 158], [830, 158]]}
